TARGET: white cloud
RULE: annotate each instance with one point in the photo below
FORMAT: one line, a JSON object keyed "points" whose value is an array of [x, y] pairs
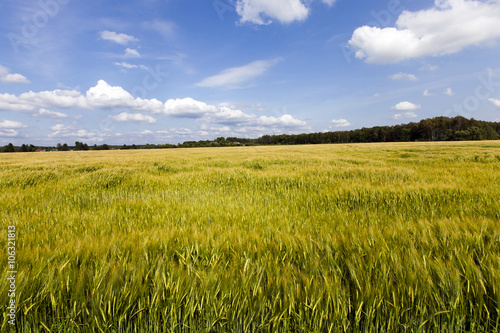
{"points": [[69, 131], [44, 99], [179, 131], [449, 92], [122, 39], [10, 102], [131, 53], [187, 107], [49, 114], [406, 106], [228, 116], [448, 27], [403, 76], [134, 118], [427, 93], [231, 77], [405, 115], [7, 77], [55, 98], [495, 102], [263, 11], [129, 66], [9, 133], [285, 120], [100, 96], [9, 128], [182, 130], [256, 130], [105, 96], [341, 123], [222, 129], [58, 128], [11, 124]]}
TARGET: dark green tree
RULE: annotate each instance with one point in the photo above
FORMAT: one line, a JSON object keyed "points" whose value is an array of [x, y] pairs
{"points": [[9, 148]]}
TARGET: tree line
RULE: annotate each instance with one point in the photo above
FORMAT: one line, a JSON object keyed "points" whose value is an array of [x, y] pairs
{"points": [[432, 129]]}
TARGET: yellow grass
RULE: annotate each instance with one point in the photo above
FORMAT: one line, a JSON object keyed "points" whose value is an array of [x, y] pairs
{"points": [[325, 238]]}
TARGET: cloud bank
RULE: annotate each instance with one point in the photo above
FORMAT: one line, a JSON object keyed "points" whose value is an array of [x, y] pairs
{"points": [[105, 97]]}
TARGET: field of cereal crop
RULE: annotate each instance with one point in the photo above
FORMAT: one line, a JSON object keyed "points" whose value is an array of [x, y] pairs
{"points": [[400, 237]]}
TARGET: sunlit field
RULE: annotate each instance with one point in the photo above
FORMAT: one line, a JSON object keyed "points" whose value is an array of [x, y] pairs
{"points": [[401, 237]]}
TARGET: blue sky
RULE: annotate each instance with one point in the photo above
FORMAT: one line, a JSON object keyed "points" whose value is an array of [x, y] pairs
{"points": [[168, 71]]}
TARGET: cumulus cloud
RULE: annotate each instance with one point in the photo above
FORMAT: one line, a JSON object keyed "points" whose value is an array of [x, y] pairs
{"points": [[134, 118], [122, 39], [55, 98], [495, 102], [131, 53], [11, 124], [49, 114], [188, 108], [9, 133], [104, 95], [448, 27], [403, 76], [45, 99], [69, 131], [229, 116], [7, 77], [406, 106], [449, 92], [231, 77], [341, 123], [405, 115], [285, 120], [10, 102], [9, 128], [263, 11]]}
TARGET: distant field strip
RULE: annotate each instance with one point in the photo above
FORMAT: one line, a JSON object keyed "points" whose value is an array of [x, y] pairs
{"points": [[400, 237]]}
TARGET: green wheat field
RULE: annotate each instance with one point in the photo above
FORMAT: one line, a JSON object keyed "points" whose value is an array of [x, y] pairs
{"points": [[400, 237]]}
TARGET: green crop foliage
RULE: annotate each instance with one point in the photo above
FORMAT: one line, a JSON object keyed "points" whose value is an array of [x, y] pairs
{"points": [[328, 238]]}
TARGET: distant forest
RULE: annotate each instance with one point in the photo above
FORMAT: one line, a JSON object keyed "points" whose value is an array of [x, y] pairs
{"points": [[433, 129]]}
